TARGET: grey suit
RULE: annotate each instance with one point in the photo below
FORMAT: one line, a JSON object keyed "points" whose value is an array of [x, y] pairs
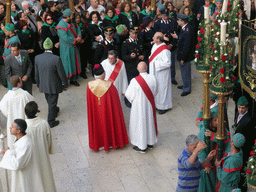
{"points": [[14, 67], [50, 76]]}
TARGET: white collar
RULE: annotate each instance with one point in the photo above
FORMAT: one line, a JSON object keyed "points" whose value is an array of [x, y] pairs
{"points": [[184, 26], [107, 41], [48, 51], [19, 56], [132, 40]]}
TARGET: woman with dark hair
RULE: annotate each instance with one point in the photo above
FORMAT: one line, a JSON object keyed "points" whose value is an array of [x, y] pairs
{"points": [[96, 33], [40, 20], [14, 11], [128, 17], [146, 34], [146, 11], [2, 11], [172, 10], [53, 10], [84, 47], [117, 5], [81, 6], [111, 19], [85, 18], [49, 30]]}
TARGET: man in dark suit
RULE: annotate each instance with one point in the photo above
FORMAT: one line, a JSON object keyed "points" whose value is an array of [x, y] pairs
{"points": [[244, 125], [50, 76], [184, 53], [19, 63]]}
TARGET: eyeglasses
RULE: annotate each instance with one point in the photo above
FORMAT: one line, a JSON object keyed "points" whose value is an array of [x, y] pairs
{"points": [[49, 19]]}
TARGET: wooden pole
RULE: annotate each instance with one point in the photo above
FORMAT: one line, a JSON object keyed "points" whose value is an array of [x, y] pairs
{"points": [[71, 5], [8, 12]]}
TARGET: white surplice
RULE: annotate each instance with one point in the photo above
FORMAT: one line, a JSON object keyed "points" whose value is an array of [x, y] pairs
{"points": [[13, 107], [142, 128], [120, 83], [160, 67], [40, 134], [19, 160]]}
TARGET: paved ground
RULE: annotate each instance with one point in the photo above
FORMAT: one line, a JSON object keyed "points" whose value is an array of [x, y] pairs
{"points": [[77, 168]]}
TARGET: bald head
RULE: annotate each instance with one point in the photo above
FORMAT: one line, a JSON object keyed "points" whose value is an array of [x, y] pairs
{"points": [[142, 67], [158, 38]]}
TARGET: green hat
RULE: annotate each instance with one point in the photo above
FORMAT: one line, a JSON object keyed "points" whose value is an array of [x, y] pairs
{"points": [[67, 13], [236, 190], [242, 101], [120, 29], [47, 43], [238, 140], [9, 27], [213, 96], [161, 7], [214, 112], [218, 1]]}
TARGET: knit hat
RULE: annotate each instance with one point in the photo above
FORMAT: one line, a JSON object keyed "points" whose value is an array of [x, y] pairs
{"points": [[98, 70], [9, 27], [238, 140], [161, 7], [47, 43], [242, 101], [214, 112], [120, 29], [67, 13]]}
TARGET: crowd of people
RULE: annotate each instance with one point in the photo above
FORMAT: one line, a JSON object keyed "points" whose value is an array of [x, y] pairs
{"points": [[132, 54]]}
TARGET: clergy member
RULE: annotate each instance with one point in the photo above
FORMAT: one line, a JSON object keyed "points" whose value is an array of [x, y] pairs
{"points": [[159, 66], [19, 159], [106, 126], [39, 132], [13, 104], [115, 72], [143, 125]]}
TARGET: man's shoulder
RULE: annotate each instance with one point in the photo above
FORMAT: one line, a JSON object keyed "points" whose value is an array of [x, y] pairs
{"points": [[9, 57]]}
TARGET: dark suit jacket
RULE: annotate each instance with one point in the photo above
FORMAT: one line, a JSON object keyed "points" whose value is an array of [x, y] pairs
{"points": [[49, 73], [13, 67]]}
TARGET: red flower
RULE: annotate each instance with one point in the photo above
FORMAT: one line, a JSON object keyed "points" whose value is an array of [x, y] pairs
{"points": [[252, 153], [197, 46], [229, 45], [248, 171], [222, 79], [255, 141], [223, 57], [230, 53], [222, 70], [237, 14], [233, 77], [199, 39], [213, 58], [211, 68], [97, 66], [196, 56], [228, 9], [212, 47], [229, 4], [202, 30], [231, 61], [217, 13]]}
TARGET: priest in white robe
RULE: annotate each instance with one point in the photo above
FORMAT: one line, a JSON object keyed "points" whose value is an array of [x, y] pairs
{"points": [[39, 132], [13, 104], [115, 72], [143, 126], [19, 159], [159, 66]]}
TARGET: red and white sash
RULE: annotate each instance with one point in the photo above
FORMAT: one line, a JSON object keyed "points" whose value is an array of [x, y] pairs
{"points": [[116, 71], [149, 95], [157, 51]]}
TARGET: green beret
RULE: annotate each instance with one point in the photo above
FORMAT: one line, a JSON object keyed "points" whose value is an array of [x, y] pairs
{"points": [[238, 140], [9, 27], [242, 101], [214, 112], [120, 29], [47, 44], [67, 13]]}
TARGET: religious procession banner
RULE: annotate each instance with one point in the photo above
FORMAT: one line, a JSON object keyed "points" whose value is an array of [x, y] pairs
{"points": [[247, 59]]}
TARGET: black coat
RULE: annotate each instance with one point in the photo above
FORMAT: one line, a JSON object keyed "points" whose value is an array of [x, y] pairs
{"points": [[27, 40], [2, 38], [106, 22], [94, 31], [124, 20]]}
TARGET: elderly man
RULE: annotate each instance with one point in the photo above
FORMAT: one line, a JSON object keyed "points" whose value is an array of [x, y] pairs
{"points": [[143, 125], [69, 36], [13, 103], [159, 66], [228, 169], [189, 166], [19, 63], [106, 126], [115, 72], [95, 6]]}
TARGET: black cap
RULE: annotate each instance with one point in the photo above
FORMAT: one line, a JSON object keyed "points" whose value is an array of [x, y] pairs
{"points": [[98, 70], [134, 29], [165, 12], [147, 19], [109, 30], [182, 16]]}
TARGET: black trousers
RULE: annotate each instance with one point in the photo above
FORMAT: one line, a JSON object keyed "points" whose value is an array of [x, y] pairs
{"points": [[52, 100]]}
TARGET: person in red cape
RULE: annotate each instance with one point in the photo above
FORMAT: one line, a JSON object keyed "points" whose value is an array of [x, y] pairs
{"points": [[106, 126]]}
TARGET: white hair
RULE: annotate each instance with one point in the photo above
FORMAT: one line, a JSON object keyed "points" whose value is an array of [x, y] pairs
{"points": [[191, 139]]}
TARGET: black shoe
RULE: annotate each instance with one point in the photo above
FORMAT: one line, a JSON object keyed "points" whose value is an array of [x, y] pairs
{"points": [[54, 123], [135, 148], [57, 111], [162, 111], [180, 87], [185, 94], [75, 83], [150, 146], [174, 82], [84, 76]]}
